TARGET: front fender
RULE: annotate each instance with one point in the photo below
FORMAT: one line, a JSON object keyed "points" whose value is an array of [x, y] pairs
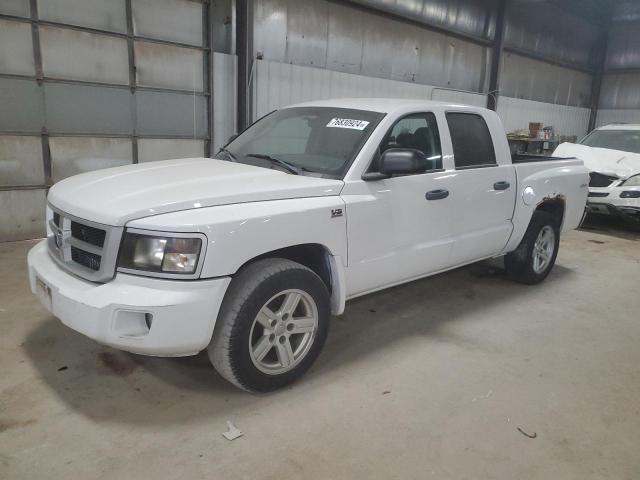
{"points": [[238, 233]]}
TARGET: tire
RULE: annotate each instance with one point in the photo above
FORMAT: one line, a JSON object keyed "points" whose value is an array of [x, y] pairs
{"points": [[521, 264], [248, 349]]}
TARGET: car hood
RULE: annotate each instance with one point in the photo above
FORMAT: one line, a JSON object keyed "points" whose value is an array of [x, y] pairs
{"points": [[114, 196], [602, 160]]}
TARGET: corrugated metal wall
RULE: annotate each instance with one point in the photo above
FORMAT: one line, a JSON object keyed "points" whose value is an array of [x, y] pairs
{"points": [[342, 38], [349, 51], [279, 84], [620, 93], [89, 84]]}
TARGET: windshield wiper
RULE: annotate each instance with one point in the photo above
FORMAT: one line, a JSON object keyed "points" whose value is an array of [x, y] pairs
{"points": [[231, 156], [291, 168]]}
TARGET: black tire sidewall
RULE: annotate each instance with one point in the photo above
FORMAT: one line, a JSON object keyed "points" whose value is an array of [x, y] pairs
{"points": [[519, 263], [241, 364]]}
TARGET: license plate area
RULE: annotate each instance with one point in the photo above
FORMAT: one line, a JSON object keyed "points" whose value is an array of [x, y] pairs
{"points": [[44, 292]]}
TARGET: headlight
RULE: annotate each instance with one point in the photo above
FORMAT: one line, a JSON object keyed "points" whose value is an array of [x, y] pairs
{"points": [[632, 181], [160, 254]]}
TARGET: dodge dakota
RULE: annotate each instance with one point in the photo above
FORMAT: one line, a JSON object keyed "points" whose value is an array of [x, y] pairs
{"points": [[248, 254]]}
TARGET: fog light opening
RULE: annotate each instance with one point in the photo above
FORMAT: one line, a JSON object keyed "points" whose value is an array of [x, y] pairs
{"points": [[148, 319]]}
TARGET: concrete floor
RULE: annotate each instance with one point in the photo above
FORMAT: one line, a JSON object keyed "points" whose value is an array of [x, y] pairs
{"points": [[427, 380]]}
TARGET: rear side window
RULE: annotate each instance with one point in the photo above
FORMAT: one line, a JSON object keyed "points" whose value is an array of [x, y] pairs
{"points": [[472, 143]]}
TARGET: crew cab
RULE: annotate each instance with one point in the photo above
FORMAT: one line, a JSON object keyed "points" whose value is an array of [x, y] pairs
{"points": [[248, 254], [612, 155]]}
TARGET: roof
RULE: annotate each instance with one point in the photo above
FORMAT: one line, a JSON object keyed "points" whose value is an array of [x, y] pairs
{"points": [[620, 126], [382, 105]]}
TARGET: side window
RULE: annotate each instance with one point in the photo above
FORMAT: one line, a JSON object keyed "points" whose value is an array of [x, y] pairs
{"points": [[472, 142], [419, 131]]}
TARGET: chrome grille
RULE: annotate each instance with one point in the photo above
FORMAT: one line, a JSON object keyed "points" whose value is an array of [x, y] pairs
{"points": [[87, 249]]}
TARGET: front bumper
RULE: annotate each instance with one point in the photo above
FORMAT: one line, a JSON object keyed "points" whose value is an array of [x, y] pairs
{"points": [[611, 201], [626, 212], [133, 313]]}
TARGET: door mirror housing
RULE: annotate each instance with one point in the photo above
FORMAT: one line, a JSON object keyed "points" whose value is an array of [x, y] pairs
{"points": [[402, 161]]}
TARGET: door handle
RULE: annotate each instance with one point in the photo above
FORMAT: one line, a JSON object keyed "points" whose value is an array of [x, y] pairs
{"points": [[502, 185], [437, 194]]}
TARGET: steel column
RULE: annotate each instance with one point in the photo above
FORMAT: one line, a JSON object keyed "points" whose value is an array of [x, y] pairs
{"points": [[496, 57], [244, 50], [596, 79]]}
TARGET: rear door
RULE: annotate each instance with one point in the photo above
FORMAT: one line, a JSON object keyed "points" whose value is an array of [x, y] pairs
{"points": [[484, 190]]}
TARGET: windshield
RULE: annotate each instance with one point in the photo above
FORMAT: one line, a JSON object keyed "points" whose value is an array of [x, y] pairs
{"points": [[315, 141], [625, 140]]}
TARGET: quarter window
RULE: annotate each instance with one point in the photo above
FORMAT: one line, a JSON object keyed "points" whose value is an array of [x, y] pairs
{"points": [[472, 143]]}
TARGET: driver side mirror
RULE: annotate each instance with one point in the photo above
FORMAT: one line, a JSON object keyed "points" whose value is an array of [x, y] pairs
{"points": [[398, 161]]}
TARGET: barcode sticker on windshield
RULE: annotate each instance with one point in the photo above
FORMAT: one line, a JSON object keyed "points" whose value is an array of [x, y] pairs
{"points": [[348, 123]]}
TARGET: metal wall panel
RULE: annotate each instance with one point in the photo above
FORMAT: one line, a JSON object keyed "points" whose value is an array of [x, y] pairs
{"points": [[83, 56], [22, 105], [529, 79], [620, 91], [101, 14], [307, 33], [21, 160], [19, 8], [164, 113], [606, 116], [516, 114], [174, 20], [623, 47], [88, 109], [168, 66], [74, 155], [626, 11], [152, 149], [470, 17], [22, 214], [16, 48], [280, 84], [347, 39], [224, 98], [546, 29]]}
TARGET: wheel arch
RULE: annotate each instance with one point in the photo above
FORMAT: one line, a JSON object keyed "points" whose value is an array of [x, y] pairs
{"points": [[319, 259], [555, 205]]}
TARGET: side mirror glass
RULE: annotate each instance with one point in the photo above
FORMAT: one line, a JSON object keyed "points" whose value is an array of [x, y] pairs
{"points": [[402, 161]]}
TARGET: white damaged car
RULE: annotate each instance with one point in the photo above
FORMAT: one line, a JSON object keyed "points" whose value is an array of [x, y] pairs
{"points": [[612, 155]]}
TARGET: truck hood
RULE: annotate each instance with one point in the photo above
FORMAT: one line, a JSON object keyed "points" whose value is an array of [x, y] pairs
{"points": [[114, 196], [602, 160]]}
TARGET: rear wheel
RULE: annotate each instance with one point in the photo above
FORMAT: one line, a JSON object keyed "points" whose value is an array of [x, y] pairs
{"points": [[534, 258], [272, 325]]}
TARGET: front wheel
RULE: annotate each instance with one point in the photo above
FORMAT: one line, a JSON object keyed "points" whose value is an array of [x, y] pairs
{"points": [[272, 325], [534, 258]]}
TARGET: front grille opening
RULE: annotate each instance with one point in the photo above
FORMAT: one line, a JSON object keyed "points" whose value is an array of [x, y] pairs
{"points": [[89, 260], [92, 235], [598, 194], [600, 179]]}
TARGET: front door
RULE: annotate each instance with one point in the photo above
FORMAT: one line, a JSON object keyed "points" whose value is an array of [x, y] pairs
{"points": [[395, 233]]}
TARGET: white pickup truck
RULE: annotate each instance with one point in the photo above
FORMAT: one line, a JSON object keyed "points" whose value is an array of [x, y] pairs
{"points": [[248, 255]]}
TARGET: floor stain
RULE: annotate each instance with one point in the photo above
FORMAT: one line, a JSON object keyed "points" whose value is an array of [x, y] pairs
{"points": [[118, 364], [9, 424]]}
